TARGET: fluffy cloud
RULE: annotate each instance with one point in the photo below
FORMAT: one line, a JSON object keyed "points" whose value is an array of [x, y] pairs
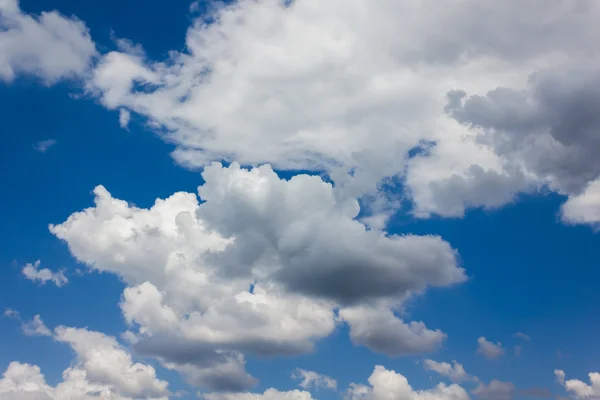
{"points": [[49, 46], [580, 389], [311, 379], [388, 385], [383, 332], [260, 266], [34, 273], [102, 370], [302, 85], [455, 371], [105, 362], [488, 349], [549, 129], [583, 208], [24, 382]]}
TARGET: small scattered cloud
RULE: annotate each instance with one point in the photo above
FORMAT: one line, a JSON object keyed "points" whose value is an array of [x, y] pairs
{"points": [[10, 313], [124, 118], [45, 145], [455, 371], [195, 6], [560, 376], [34, 273], [522, 335], [36, 327], [488, 349], [311, 379]]}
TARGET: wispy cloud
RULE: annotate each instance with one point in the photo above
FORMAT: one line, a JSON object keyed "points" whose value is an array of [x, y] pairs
{"points": [[124, 117], [36, 327], [490, 350], [311, 379], [522, 335], [45, 145]]}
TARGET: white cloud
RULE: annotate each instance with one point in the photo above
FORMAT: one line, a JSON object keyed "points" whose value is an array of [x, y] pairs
{"points": [[106, 362], [24, 382], [124, 117], [36, 327], [490, 350], [34, 273], [189, 269], [307, 86], [49, 46], [45, 145], [455, 371], [579, 389], [387, 385], [583, 208], [311, 379], [102, 370]]}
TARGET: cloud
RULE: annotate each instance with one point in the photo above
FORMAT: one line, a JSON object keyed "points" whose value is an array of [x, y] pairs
{"points": [[102, 370], [490, 350], [260, 266], [33, 273], [386, 384], [455, 371], [10, 313], [560, 376], [580, 389], [583, 208], [45, 145], [214, 370], [106, 362], [36, 327], [269, 394], [24, 382], [547, 131], [383, 332], [495, 390], [124, 117], [49, 46], [311, 379], [523, 336], [350, 94]]}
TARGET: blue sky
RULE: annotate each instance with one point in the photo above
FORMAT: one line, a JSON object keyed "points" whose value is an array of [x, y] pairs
{"points": [[509, 190]]}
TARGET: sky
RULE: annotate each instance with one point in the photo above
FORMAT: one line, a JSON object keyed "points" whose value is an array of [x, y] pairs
{"points": [[299, 200]]}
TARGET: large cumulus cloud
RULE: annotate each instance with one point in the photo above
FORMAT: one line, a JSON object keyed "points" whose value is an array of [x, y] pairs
{"points": [[262, 265], [355, 92]]}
